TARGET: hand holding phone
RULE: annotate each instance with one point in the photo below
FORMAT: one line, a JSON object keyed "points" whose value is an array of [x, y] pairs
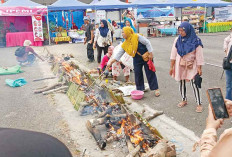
{"points": [[211, 122], [217, 103]]}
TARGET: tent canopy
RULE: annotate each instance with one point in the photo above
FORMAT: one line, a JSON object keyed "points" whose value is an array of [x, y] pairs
{"points": [[22, 8], [20, 3], [180, 3], [68, 5], [109, 4]]}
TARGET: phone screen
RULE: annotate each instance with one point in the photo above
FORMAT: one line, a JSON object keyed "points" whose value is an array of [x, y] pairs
{"points": [[218, 104]]}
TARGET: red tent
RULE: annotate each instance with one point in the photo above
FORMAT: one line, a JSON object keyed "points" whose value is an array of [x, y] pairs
{"points": [[20, 12]]}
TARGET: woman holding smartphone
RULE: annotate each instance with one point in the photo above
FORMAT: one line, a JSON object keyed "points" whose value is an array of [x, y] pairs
{"points": [[186, 62]]}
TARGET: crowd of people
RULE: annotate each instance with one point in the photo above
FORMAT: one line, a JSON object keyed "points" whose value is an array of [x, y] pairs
{"points": [[186, 61]]}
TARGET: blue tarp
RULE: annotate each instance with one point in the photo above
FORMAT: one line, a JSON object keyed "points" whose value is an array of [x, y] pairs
{"points": [[68, 5], [180, 3], [16, 83], [77, 18], [20, 3], [109, 4]]}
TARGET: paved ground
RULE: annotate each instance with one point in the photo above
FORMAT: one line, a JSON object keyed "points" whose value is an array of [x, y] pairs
{"points": [[20, 108], [170, 96]]}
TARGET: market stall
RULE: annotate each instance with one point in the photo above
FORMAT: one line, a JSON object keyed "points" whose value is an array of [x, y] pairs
{"points": [[66, 19], [197, 10], [106, 9], [22, 20]]}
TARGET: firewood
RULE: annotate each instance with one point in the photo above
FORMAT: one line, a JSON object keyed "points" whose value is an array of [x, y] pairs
{"points": [[97, 135], [48, 88], [159, 150], [154, 115], [46, 78], [101, 121], [129, 145], [134, 151], [55, 90]]}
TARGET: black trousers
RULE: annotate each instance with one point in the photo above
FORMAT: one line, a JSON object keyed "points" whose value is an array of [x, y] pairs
{"points": [[99, 52], [90, 52], [139, 63], [196, 91]]}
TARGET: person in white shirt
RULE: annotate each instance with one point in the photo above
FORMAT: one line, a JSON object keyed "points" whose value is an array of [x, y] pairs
{"points": [[102, 39]]}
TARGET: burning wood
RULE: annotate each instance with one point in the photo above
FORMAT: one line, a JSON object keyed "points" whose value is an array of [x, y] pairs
{"points": [[97, 135], [120, 124]]}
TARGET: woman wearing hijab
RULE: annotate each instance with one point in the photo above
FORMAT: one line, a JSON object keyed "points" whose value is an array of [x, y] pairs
{"points": [[227, 46], [129, 23], [136, 45], [102, 39], [186, 62]]}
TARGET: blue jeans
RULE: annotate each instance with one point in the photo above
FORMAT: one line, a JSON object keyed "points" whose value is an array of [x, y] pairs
{"points": [[229, 83]]}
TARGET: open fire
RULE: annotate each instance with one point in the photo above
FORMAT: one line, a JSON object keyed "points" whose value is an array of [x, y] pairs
{"points": [[120, 124]]}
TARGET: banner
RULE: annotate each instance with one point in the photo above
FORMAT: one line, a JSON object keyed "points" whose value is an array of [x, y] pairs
{"points": [[191, 11], [37, 27], [101, 14], [223, 14], [22, 11], [154, 12]]}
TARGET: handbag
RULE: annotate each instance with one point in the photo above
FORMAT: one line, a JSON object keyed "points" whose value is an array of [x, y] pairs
{"points": [[187, 64], [145, 56], [226, 60]]}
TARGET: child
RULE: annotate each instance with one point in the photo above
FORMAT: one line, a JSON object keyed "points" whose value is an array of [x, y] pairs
{"points": [[106, 59]]}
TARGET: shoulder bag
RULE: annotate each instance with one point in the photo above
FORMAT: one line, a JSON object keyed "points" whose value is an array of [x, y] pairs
{"points": [[226, 60]]}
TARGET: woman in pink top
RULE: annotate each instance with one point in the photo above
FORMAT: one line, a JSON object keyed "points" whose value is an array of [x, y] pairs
{"points": [[227, 46], [186, 62]]}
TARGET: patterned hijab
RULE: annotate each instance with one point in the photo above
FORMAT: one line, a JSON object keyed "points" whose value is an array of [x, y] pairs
{"points": [[130, 45], [104, 30], [190, 42]]}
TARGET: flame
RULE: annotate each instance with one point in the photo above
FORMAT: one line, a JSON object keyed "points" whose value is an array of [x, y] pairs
{"points": [[119, 131], [77, 80], [67, 67], [86, 81]]}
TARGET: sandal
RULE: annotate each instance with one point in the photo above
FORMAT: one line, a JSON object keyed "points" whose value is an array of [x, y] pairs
{"points": [[199, 109], [157, 93], [182, 104]]}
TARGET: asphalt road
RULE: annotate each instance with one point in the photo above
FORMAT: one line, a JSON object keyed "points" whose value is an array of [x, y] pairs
{"points": [[21, 108]]}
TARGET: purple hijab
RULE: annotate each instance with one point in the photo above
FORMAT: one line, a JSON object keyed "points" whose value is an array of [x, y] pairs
{"points": [[104, 30], [190, 42]]}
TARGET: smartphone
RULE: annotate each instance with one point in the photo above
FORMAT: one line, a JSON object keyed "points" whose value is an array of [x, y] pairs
{"points": [[217, 103]]}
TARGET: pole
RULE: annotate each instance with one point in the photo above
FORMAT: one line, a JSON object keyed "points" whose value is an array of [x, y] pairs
{"points": [[48, 25], [204, 20]]}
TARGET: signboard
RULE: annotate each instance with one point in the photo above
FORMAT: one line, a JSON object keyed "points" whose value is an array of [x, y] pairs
{"points": [[223, 14], [154, 12], [37, 27], [191, 11], [22, 11], [101, 14]]}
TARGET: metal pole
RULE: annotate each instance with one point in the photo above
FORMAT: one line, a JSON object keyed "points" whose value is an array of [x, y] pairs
{"points": [[204, 20], [49, 38]]}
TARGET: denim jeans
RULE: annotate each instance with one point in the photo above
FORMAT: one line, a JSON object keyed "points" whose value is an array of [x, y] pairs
{"points": [[229, 83]]}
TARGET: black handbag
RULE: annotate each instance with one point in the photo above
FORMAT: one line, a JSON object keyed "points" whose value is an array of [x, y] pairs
{"points": [[226, 61]]}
